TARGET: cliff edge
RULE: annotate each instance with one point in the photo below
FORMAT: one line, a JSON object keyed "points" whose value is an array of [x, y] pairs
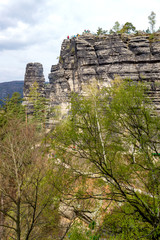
{"points": [[102, 57]]}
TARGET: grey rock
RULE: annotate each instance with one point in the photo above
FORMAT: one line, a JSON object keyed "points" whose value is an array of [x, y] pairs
{"points": [[101, 57], [34, 73]]}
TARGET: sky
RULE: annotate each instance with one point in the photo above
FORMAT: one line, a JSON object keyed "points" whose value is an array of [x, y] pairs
{"points": [[33, 30]]}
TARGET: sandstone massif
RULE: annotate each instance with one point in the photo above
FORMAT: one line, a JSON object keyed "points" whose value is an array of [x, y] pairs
{"points": [[104, 57]]}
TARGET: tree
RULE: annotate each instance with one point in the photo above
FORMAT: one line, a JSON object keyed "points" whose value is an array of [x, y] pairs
{"points": [[26, 197], [124, 223], [148, 31], [127, 28], [77, 233], [38, 106], [116, 27], [12, 107], [113, 135], [100, 31], [152, 21]]}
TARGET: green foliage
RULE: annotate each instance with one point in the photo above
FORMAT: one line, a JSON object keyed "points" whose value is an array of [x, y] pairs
{"points": [[38, 105], [125, 223], [128, 28], [31, 203], [152, 21], [72, 50], [116, 28], [11, 108], [60, 60], [151, 37], [8, 88], [77, 232], [100, 31], [113, 131], [68, 47], [148, 31]]}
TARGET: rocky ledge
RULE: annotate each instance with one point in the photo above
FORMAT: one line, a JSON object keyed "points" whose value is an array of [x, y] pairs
{"points": [[102, 57]]}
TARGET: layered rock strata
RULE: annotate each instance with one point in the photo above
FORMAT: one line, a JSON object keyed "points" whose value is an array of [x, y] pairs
{"points": [[103, 57], [34, 73]]}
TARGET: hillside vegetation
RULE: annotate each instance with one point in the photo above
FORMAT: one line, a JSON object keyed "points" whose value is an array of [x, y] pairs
{"points": [[8, 88], [94, 176]]}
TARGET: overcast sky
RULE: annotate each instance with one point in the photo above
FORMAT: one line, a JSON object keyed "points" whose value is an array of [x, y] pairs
{"points": [[33, 30]]}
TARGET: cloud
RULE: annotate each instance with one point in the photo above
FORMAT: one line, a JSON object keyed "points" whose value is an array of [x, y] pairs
{"points": [[20, 10], [33, 30], [25, 23]]}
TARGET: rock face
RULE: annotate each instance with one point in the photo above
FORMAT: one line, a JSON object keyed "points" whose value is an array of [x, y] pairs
{"points": [[101, 57], [34, 73]]}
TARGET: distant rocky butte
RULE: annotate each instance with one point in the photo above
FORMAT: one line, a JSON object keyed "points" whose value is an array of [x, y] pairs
{"points": [[100, 57]]}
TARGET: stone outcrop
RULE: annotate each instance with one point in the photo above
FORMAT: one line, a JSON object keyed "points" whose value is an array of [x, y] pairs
{"points": [[34, 73], [103, 57]]}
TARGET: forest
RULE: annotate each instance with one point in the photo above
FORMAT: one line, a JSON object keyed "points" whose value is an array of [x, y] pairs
{"points": [[94, 175]]}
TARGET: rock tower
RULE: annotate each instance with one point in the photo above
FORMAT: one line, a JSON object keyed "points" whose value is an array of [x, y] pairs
{"points": [[102, 57]]}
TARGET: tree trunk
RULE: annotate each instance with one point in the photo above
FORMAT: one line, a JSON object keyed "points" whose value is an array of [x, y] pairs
{"points": [[18, 220], [2, 217]]}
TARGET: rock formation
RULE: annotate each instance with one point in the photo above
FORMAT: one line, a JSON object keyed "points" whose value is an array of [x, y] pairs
{"points": [[103, 57], [34, 73]]}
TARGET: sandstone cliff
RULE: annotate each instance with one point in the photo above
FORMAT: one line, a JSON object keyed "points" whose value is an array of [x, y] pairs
{"points": [[102, 57]]}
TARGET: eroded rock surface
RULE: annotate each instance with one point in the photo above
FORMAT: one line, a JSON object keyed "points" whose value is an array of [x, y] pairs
{"points": [[101, 57]]}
